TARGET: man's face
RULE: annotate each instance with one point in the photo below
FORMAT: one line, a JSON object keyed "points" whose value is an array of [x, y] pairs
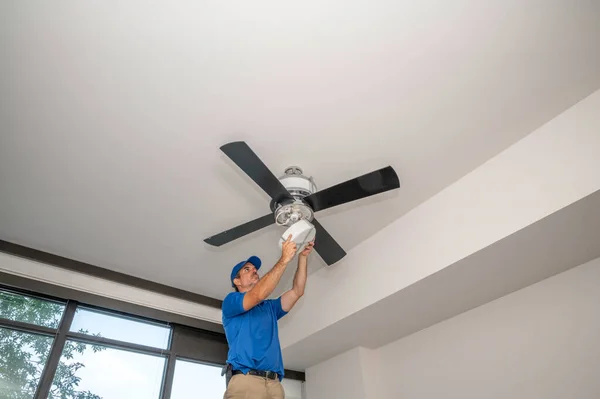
{"points": [[247, 278]]}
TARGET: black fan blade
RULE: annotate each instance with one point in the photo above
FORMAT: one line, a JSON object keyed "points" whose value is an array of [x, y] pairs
{"points": [[241, 230], [326, 246], [364, 186], [250, 163]]}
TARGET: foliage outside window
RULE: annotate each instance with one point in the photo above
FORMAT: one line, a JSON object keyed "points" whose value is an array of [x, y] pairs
{"points": [[24, 355]]}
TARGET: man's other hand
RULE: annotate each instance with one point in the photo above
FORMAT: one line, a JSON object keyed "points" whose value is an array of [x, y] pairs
{"points": [[306, 251]]}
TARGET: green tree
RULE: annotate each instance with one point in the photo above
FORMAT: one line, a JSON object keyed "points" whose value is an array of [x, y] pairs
{"points": [[23, 355]]}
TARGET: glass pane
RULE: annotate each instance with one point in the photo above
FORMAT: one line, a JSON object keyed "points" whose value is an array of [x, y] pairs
{"points": [[113, 326], [292, 388], [30, 310], [191, 378], [98, 372], [22, 359]]}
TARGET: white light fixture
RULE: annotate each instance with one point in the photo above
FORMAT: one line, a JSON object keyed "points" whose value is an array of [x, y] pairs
{"points": [[302, 233]]}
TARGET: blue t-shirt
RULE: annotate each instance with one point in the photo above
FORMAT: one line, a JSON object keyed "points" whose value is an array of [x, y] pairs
{"points": [[253, 336]]}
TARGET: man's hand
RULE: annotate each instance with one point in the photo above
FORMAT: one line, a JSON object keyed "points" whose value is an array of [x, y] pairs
{"points": [[288, 250], [308, 249]]}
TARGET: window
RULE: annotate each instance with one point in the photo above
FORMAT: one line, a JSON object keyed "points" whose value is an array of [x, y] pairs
{"points": [[22, 359], [31, 310], [121, 328], [192, 378], [105, 372]]}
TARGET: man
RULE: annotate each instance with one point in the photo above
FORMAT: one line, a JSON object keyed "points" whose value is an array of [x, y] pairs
{"points": [[250, 322]]}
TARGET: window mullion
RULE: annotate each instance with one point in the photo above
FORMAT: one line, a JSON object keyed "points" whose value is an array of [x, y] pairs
{"points": [[114, 343], [168, 377], [58, 345], [27, 327]]}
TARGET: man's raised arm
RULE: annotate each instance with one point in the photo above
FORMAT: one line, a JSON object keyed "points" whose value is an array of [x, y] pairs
{"points": [[289, 298], [269, 281]]}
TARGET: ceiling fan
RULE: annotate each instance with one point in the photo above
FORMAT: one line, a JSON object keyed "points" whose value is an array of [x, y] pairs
{"points": [[295, 197]]}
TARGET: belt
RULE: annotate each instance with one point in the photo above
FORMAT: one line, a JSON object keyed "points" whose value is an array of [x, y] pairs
{"points": [[259, 373]]}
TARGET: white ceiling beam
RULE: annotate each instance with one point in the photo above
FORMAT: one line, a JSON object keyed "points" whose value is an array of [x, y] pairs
{"points": [[106, 288]]}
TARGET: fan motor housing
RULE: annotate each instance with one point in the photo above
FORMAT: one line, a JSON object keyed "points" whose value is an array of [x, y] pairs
{"points": [[296, 183], [299, 186]]}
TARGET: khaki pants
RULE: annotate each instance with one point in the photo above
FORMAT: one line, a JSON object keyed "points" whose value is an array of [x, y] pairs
{"points": [[252, 387]]}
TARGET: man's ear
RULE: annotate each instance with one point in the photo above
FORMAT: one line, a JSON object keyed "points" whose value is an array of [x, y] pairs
{"points": [[236, 282]]}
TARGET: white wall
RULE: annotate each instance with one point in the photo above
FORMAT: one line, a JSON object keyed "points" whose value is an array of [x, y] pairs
{"points": [[542, 342], [351, 375], [293, 389], [338, 377]]}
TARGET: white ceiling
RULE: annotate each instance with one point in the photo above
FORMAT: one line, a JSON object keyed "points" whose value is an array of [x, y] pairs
{"points": [[112, 114]]}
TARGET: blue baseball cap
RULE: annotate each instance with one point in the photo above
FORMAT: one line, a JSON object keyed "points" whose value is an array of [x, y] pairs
{"points": [[255, 260]]}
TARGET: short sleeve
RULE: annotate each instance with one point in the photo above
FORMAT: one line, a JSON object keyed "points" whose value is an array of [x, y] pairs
{"points": [[276, 305], [233, 304]]}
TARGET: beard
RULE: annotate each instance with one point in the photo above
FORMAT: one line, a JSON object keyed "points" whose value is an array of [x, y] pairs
{"points": [[253, 281]]}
